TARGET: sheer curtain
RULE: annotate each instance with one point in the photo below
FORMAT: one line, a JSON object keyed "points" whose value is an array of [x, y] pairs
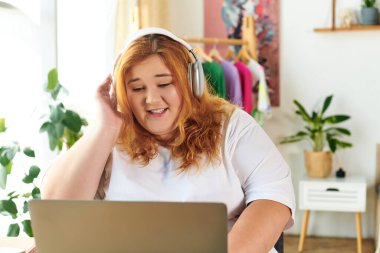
{"points": [[134, 14]]}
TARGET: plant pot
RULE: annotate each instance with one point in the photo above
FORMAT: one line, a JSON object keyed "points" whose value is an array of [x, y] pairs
{"points": [[318, 164], [370, 16]]}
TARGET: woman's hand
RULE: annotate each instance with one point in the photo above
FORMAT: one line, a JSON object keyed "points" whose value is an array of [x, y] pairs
{"points": [[109, 118]]}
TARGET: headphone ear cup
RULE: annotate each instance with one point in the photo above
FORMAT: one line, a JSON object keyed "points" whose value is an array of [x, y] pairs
{"points": [[190, 76], [196, 78]]}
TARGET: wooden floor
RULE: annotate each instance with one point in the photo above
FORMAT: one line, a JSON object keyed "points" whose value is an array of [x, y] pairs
{"points": [[327, 245]]}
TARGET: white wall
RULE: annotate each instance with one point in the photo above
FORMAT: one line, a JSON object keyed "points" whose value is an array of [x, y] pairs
{"points": [[186, 17], [312, 66]]}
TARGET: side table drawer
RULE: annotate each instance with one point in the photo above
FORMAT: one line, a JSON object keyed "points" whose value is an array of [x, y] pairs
{"points": [[333, 196]]}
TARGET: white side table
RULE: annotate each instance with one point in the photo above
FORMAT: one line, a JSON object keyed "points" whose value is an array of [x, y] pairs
{"points": [[333, 194]]}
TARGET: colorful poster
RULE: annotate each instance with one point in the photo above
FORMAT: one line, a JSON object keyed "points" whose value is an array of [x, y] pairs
{"points": [[223, 19]]}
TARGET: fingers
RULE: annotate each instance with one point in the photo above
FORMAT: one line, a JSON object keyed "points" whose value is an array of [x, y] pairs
{"points": [[113, 96], [107, 93], [104, 89], [105, 86], [113, 99]]}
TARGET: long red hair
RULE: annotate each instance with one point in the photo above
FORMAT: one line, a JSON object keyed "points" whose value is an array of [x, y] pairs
{"points": [[200, 120]]}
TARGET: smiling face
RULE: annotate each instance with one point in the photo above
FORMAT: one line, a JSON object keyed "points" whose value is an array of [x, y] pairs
{"points": [[153, 96]]}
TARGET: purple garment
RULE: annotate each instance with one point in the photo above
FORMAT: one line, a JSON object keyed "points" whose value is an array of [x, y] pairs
{"points": [[233, 84]]}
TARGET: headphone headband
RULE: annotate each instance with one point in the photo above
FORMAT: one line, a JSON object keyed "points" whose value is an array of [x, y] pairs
{"points": [[152, 30]]}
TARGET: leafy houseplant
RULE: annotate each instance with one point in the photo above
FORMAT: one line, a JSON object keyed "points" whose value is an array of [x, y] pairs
{"points": [[64, 128], [369, 3], [8, 206], [369, 12], [322, 133]]}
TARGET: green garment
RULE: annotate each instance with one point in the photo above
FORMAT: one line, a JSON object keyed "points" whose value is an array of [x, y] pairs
{"points": [[215, 78]]}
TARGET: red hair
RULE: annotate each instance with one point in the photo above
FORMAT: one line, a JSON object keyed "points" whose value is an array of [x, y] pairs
{"points": [[200, 120]]}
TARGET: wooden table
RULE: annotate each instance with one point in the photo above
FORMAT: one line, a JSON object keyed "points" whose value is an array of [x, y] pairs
{"points": [[24, 243]]}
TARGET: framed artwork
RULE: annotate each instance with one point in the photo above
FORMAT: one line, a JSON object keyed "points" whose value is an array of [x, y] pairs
{"points": [[223, 19]]}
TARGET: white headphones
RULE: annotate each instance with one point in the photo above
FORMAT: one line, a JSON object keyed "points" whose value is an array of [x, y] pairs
{"points": [[195, 70]]}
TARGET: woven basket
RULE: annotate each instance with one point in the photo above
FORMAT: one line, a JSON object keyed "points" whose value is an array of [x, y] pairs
{"points": [[318, 164]]}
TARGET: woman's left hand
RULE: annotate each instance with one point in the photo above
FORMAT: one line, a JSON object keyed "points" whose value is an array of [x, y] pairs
{"points": [[109, 118]]}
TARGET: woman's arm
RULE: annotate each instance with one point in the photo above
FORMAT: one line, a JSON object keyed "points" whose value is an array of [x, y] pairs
{"points": [[76, 174], [266, 182], [258, 227]]}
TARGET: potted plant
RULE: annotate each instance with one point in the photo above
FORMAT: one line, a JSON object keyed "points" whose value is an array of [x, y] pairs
{"points": [[369, 13], [16, 201], [63, 128], [323, 135]]}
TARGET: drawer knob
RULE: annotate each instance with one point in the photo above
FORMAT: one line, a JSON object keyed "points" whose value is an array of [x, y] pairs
{"points": [[332, 189]]}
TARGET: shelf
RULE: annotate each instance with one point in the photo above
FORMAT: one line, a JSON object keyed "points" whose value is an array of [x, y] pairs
{"points": [[353, 28], [333, 27]]}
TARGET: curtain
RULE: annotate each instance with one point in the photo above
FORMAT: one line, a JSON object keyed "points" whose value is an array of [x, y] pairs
{"points": [[127, 21], [134, 14], [154, 13]]}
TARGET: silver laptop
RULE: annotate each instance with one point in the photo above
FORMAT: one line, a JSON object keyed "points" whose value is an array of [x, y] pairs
{"points": [[137, 227]]}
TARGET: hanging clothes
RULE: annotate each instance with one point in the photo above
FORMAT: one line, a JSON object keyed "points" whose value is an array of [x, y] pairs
{"points": [[255, 83], [263, 103], [246, 82], [215, 78], [233, 83]]}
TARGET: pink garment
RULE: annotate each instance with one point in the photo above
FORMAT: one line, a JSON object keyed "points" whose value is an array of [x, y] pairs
{"points": [[246, 85]]}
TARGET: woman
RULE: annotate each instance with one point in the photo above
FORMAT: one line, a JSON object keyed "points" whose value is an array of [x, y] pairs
{"points": [[171, 140]]}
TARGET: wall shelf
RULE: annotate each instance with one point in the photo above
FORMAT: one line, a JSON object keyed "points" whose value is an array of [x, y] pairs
{"points": [[352, 28], [333, 28]]}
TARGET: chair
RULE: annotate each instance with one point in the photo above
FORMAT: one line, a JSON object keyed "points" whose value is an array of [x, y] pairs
{"points": [[279, 246]]}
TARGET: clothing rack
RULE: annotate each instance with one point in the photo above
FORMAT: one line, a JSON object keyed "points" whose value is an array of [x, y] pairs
{"points": [[216, 41], [249, 40]]}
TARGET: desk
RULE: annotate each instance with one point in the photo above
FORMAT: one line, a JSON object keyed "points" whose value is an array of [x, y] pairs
{"points": [[333, 194], [25, 243]]}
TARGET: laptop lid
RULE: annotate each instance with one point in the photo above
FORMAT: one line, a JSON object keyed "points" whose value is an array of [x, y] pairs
{"points": [[138, 227]]}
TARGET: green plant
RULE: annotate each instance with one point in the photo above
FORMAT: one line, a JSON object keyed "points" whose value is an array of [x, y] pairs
{"points": [[369, 3], [8, 206], [319, 130], [64, 127], [2, 125]]}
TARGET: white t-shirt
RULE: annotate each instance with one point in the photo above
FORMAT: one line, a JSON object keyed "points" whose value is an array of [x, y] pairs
{"points": [[252, 168]]}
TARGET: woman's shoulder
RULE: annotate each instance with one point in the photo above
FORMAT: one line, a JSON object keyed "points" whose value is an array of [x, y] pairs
{"points": [[239, 124], [240, 118]]}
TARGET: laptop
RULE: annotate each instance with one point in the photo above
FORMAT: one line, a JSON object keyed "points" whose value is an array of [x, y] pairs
{"points": [[63, 226]]}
